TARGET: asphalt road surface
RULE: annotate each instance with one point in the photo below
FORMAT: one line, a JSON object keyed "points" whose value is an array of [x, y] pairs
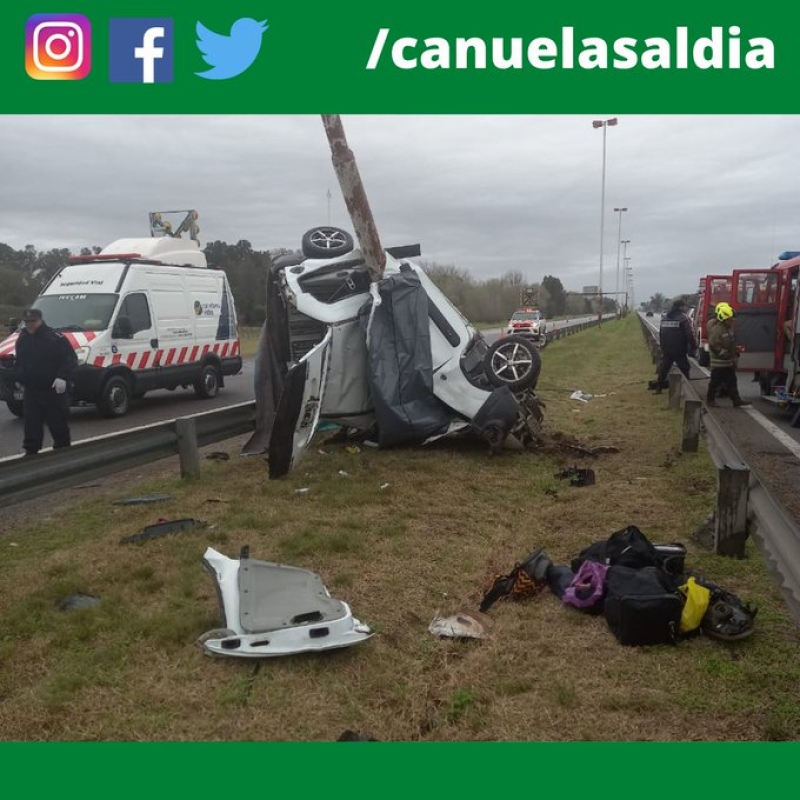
{"points": [[157, 406]]}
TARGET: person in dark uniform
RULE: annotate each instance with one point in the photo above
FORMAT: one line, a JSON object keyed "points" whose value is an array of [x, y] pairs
{"points": [[45, 364], [676, 338]]}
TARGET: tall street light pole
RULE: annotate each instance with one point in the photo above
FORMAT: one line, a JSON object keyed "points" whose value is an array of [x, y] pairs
{"points": [[625, 243], [602, 123], [629, 280], [619, 242]]}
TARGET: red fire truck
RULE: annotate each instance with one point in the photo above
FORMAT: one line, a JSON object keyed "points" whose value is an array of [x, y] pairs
{"points": [[767, 318]]}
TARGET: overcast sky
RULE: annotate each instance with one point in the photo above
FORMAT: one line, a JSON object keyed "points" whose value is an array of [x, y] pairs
{"points": [[487, 193]]}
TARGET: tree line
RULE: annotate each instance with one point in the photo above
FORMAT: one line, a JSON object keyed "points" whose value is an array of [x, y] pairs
{"points": [[24, 273]]}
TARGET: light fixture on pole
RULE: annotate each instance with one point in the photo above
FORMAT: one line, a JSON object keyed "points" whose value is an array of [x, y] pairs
{"points": [[602, 123], [619, 242]]}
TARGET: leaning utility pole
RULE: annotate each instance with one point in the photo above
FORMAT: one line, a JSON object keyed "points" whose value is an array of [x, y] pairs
{"points": [[355, 198]]}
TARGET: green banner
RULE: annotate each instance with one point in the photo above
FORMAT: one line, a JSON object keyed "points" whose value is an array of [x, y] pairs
{"points": [[250, 56]]}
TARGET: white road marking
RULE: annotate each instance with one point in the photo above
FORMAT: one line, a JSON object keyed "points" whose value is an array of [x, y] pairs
{"points": [[784, 438]]}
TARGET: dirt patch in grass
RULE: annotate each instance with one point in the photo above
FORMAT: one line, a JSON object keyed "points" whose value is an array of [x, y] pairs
{"points": [[451, 516]]}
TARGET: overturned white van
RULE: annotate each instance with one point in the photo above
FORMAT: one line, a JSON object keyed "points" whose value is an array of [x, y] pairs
{"points": [[143, 314]]}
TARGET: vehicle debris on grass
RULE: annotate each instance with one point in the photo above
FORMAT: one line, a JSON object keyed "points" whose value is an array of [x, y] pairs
{"points": [[161, 528], [269, 609]]}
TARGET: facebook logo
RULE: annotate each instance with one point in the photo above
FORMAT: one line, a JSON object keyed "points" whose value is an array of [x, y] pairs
{"points": [[140, 51]]}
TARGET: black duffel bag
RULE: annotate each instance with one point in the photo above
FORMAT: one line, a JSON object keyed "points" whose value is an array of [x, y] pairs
{"points": [[642, 606]]}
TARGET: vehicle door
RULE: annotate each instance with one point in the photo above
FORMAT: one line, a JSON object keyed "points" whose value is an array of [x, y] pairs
{"points": [[754, 298], [299, 408], [133, 339]]}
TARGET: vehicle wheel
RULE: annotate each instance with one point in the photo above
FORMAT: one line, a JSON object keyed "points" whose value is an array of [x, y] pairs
{"points": [[115, 398], [514, 362], [207, 385], [15, 407], [703, 358], [326, 242]]}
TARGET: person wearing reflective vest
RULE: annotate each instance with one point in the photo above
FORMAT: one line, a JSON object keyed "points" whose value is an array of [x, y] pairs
{"points": [[724, 356]]}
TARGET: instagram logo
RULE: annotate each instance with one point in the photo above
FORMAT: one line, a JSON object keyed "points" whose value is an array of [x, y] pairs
{"points": [[58, 47]]}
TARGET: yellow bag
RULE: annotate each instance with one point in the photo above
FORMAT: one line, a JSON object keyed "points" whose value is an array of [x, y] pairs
{"points": [[695, 605]]}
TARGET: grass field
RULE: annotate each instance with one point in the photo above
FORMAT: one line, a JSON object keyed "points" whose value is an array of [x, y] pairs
{"points": [[450, 518]]}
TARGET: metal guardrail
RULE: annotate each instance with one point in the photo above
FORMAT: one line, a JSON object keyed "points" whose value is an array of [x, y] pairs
{"points": [[25, 478], [744, 505], [28, 477]]}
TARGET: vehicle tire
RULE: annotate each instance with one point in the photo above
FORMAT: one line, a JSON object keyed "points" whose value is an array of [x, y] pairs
{"points": [[115, 397], [326, 242], [15, 407], [207, 384], [514, 362], [703, 358]]}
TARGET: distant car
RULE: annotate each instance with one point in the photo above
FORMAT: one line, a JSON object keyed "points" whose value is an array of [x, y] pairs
{"points": [[528, 322], [649, 314]]}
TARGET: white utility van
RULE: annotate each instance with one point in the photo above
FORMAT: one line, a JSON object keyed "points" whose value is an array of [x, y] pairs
{"points": [[142, 314]]}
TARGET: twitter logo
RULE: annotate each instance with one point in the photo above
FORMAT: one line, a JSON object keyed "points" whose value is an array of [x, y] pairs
{"points": [[229, 56]]}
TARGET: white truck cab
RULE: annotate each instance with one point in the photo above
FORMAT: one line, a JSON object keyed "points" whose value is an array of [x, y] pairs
{"points": [[142, 314]]}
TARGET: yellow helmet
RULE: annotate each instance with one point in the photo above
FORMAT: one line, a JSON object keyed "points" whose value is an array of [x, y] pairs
{"points": [[723, 311]]}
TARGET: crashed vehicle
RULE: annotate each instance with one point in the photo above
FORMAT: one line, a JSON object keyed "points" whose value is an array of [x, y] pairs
{"points": [[391, 357]]}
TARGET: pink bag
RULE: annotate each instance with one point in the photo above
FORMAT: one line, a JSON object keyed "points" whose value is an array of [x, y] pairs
{"points": [[588, 587]]}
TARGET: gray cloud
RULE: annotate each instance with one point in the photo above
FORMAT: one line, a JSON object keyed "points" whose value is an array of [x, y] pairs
{"points": [[487, 193]]}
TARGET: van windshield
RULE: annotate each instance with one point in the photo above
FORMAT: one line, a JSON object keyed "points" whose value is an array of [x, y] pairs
{"points": [[77, 312]]}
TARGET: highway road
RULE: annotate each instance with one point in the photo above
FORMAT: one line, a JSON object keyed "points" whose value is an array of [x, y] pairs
{"points": [[156, 406], [773, 421]]}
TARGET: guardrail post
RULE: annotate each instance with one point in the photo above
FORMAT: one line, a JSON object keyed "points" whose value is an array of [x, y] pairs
{"points": [[675, 379], [691, 426], [731, 518], [188, 453]]}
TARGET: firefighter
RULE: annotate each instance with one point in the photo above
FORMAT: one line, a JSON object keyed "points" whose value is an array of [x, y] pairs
{"points": [[45, 364], [724, 356], [676, 339]]}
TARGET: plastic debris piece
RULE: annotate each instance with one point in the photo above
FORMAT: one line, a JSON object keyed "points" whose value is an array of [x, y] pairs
{"points": [[323, 452], [304, 490], [76, 602], [352, 449], [163, 527], [464, 625], [344, 474], [577, 476], [385, 485], [145, 498]]}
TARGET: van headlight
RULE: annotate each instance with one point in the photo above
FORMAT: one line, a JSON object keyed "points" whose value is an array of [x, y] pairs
{"points": [[83, 354]]}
